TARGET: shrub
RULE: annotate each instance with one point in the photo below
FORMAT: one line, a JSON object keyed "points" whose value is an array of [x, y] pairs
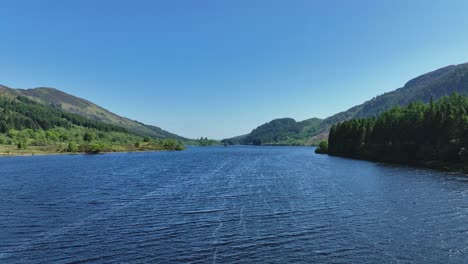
{"points": [[72, 147], [88, 137], [22, 145], [322, 148]]}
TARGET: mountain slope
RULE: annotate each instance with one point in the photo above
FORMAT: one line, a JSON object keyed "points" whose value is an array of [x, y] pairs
{"points": [[435, 84], [28, 126], [85, 108]]}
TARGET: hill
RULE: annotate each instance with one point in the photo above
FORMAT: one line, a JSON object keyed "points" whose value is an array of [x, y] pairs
{"points": [[27, 126], [85, 108], [432, 85], [282, 131], [434, 134]]}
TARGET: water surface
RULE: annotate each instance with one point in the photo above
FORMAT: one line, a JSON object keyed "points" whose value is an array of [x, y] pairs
{"points": [[228, 205]]}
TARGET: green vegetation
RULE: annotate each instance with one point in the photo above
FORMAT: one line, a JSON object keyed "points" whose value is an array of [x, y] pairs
{"points": [[23, 113], [279, 132], [322, 147], [80, 107], [433, 134], [29, 127], [436, 84], [274, 131], [78, 140], [204, 141], [239, 140]]}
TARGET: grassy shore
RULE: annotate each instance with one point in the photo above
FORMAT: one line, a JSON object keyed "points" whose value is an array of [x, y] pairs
{"points": [[13, 150]]}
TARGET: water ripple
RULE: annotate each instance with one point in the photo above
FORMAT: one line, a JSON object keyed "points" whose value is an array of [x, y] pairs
{"points": [[228, 205]]}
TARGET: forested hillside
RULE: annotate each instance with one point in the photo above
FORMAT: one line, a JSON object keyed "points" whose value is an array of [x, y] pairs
{"points": [[27, 126], [435, 85], [283, 131], [23, 113], [433, 134], [85, 108]]}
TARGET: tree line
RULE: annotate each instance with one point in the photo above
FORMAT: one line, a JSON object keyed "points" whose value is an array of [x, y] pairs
{"points": [[23, 113], [433, 134], [27, 124]]}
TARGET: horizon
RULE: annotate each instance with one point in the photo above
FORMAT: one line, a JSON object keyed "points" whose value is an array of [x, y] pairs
{"points": [[222, 69], [322, 118]]}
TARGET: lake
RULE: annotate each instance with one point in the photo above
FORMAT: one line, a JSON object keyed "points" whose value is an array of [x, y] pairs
{"points": [[228, 205]]}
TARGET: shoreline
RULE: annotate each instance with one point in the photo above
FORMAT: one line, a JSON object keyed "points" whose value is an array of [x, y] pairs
{"points": [[446, 169], [31, 154]]}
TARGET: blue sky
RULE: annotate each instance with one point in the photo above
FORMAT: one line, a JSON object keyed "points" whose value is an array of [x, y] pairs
{"points": [[221, 68]]}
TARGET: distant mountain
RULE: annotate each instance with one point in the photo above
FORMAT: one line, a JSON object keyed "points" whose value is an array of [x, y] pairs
{"points": [[283, 131], [436, 84], [85, 108]]}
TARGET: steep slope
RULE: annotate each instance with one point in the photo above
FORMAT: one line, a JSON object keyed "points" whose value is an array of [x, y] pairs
{"points": [[85, 108], [432, 85]]}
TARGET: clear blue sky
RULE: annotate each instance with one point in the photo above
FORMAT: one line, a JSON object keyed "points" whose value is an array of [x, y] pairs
{"points": [[221, 68]]}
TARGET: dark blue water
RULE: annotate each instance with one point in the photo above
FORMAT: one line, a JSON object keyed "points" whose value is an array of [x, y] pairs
{"points": [[228, 205]]}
